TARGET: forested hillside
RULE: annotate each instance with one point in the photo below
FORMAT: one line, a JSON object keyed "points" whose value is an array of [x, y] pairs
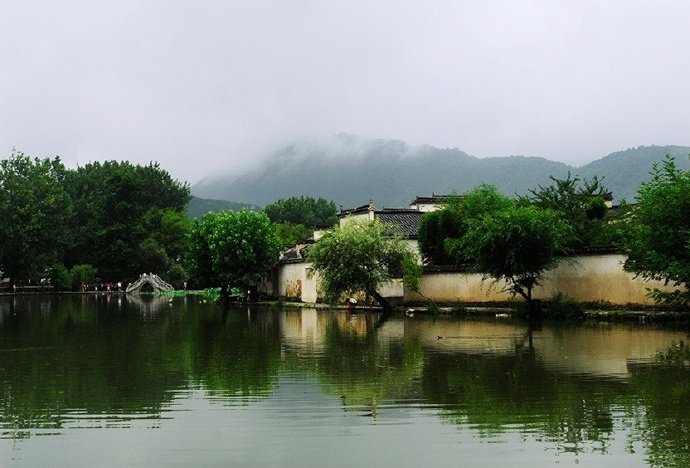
{"points": [[625, 170], [392, 173]]}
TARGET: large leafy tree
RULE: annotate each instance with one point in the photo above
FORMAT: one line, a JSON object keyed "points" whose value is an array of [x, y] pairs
{"points": [[658, 245], [435, 227], [581, 203], [198, 259], [232, 249], [290, 234], [451, 222], [357, 257], [516, 243], [307, 211], [297, 217], [35, 212], [118, 206]]}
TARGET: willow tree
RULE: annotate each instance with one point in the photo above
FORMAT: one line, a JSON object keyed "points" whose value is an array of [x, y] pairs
{"points": [[358, 257]]}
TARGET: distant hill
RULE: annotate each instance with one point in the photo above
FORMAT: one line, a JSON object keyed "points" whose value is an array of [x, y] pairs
{"points": [[200, 206], [391, 173], [624, 171]]}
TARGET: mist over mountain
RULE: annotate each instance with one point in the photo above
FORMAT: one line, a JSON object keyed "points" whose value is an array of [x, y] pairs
{"points": [[350, 171]]}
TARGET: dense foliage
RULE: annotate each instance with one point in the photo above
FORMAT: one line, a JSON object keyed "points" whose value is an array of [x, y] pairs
{"points": [[357, 257], [290, 234], [119, 218], [435, 227], [508, 241], [581, 202], [451, 223], [120, 209], [307, 211], [658, 247], [35, 211], [231, 249]]}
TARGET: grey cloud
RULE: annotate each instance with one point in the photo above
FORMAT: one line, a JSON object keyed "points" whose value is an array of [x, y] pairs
{"points": [[205, 86]]}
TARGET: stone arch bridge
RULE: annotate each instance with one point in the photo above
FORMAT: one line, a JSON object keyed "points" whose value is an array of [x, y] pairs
{"points": [[155, 281]]}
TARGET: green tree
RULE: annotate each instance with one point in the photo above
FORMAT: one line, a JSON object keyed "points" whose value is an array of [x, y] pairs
{"points": [[658, 245], [176, 275], [290, 234], [581, 202], [198, 260], [60, 277], [82, 274], [484, 199], [434, 228], [169, 227], [118, 205], [451, 222], [35, 211], [308, 211], [152, 257], [358, 257], [515, 244], [238, 248]]}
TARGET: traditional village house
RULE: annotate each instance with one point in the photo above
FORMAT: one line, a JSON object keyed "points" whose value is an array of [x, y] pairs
{"points": [[293, 278], [593, 275]]}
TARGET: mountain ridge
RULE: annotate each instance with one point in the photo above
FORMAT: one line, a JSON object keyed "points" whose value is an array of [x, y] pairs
{"points": [[352, 171]]}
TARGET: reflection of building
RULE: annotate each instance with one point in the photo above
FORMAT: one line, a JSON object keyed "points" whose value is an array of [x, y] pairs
{"points": [[301, 328], [305, 328], [602, 351]]}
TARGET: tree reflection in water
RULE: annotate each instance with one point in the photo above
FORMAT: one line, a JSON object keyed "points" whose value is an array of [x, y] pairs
{"points": [[122, 359]]}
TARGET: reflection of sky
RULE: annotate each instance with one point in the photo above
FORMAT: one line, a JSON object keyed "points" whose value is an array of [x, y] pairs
{"points": [[296, 426]]}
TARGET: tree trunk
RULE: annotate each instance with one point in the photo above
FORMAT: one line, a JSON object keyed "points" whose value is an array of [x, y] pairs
{"points": [[383, 302], [225, 293]]}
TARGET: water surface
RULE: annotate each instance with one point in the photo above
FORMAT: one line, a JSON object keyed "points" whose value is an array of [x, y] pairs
{"points": [[125, 381]]}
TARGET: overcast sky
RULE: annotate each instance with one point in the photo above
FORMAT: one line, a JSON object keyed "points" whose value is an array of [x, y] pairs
{"points": [[205, 85]]}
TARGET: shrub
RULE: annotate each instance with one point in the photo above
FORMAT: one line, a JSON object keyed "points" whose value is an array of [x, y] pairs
{"points": [[176, 276], [82, 274], [60, 277], [566, 308]]}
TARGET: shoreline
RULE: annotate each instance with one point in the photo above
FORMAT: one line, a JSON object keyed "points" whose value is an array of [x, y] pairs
{"points": [[501, 310]]}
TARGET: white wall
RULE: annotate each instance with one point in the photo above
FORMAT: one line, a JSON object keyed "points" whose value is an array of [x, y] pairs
{"points": [[586, 278]]}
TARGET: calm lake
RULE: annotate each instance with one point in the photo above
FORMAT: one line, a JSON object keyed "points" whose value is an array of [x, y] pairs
{"points": [[125, 381]]}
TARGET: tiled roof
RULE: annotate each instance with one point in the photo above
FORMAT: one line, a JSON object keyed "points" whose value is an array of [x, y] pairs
{"points": [[360, 209], [296, 254], [405, 221], [436, 199]]}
